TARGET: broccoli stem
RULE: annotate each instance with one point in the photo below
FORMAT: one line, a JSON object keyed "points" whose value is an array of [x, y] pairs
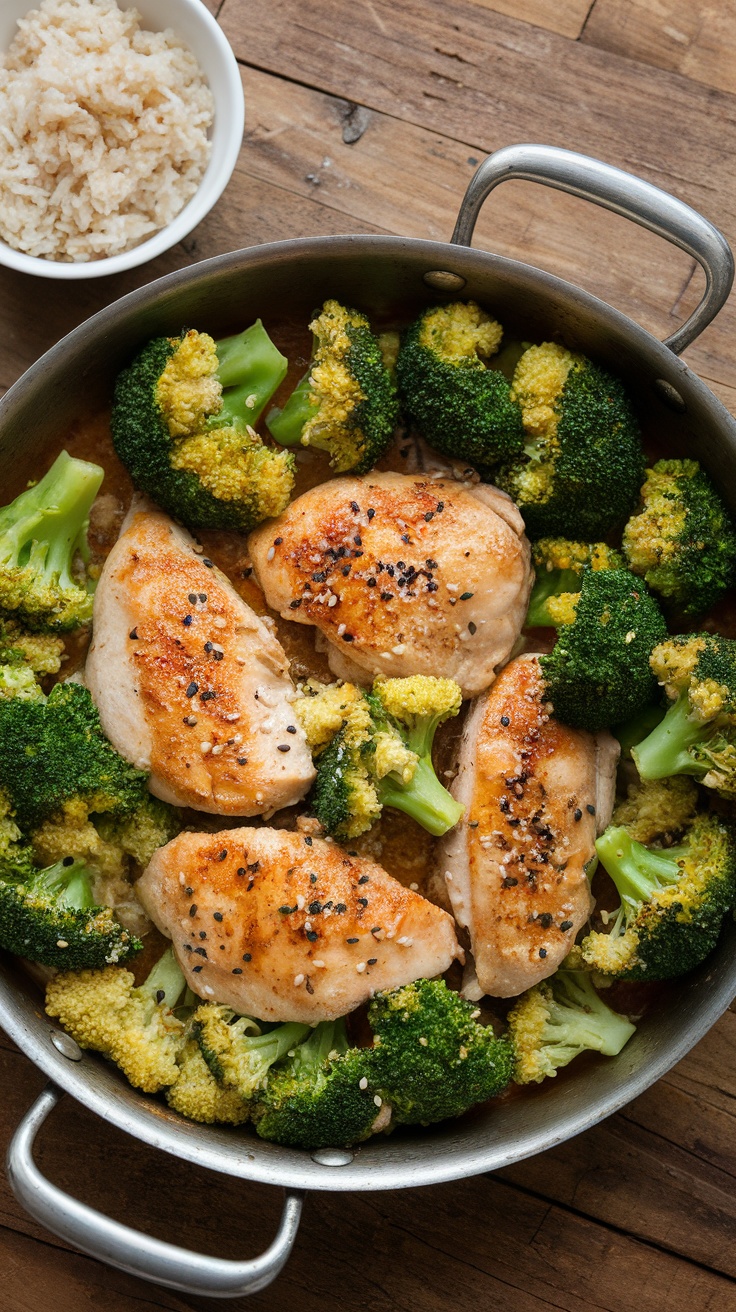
{"points": [[549, 584], [286, 425], [579, 1019], [250, 369], [637, 871], [46, 526], [67, 882], [424, 798], [666, 750], [632, 732], [165, 983], [327, 1037]]}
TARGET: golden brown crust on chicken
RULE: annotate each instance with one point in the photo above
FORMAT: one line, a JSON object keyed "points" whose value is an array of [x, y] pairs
{"points": [[189, 682], [515, 865], [403, 574], [282, 926]]}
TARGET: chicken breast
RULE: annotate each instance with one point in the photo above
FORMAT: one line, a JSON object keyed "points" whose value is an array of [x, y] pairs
{"points": [[190, 684], [535, 793], [403, 574], [282, 926]]}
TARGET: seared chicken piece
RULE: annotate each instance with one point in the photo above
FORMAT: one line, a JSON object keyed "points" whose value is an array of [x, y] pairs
{"points": [[283, 926], [403, 574], [190, 684], [535, 792]]}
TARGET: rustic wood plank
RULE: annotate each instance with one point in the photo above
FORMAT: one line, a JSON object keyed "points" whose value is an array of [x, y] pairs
{"points": [[697, 39], [568, 19], [39, 1276], [488, 79]]}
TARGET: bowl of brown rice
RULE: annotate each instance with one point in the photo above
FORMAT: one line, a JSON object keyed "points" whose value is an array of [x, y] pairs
{"points": [[120, 128]]}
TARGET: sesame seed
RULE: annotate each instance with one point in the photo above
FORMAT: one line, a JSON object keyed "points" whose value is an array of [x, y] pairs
{"points": [[542, 952], [578, 815], [354, 507], [193, 909], [208, 563], [360, 967], [405, 941], [423, 1042], [270, 553], [205, 748], [61, 943], [472, 628], [298, 979], [133, 634], [192, 690], [191, 720], [218, 749], [590, 809], [284, 747], [187, 620], [242, 760], [247, 956], [566, 924], [352, 940], [363, 1084], [378, 1100], [372, 961]]}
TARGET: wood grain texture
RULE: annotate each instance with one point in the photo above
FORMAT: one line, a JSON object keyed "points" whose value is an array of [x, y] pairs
{"points": [[696, 39], [486, 80], [567, 19]]}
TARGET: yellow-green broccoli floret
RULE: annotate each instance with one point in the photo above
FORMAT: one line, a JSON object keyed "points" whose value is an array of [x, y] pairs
{"points": [[197, 1095], [555, 1021], [682, 540], [673, 900], [39, 652], [380, 753], [346, 403], [461, 405], [182, 423], [657, 809], [698, 734], [581, 469], [236, 1051], [134, 1027], [44, 551], [598, 672], [559, 566]]}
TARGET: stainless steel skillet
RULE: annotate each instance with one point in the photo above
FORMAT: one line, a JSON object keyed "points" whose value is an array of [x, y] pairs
{"points": [[388, 277]]}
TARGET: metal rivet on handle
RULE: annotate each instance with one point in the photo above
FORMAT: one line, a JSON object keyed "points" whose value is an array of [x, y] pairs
{"points": [[332, 1157], [66, 1045], [444, 281], [670, 395]]}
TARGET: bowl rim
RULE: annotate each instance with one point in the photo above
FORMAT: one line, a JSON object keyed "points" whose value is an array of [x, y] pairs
{"points": [[197, 207], [446, 1153]]}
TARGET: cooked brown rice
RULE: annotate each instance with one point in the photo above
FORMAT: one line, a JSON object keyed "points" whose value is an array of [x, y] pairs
{"points": [[103, 130]]}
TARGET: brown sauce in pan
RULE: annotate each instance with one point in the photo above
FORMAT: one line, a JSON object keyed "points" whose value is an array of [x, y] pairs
{"points": [[404, 849]]}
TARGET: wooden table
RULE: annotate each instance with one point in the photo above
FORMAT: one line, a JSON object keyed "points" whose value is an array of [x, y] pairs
{"points": [[371, 117]]}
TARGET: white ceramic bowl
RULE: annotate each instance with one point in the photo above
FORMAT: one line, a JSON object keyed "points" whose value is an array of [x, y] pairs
{"points": [[199, 31]]}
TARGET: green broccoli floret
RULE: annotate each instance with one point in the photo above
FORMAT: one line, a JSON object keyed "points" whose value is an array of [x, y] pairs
{"points": [[598, 671], [698, 734], [50, 916], [44, 551], [582, 465], [433, 1059], [321, 1096], [555, 1021], [53, 750], [16, 856], [673, 899], [136, 1028], [346, 403], [682, 540], [182, 423], [459, 404], [236, 1050], [140, 833], [375, 749], [559, 567]]}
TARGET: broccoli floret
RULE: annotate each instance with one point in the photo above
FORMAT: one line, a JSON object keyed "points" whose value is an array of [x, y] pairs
{"points": [[236, 1051], [322, 1096], [558, 1019], [182, 423], [673, 900], [698, 734], [16, 857], [19, 681], [140, 833], [380, 753], [660, 809], [53, 750], [39, 652], [136, 1028], [459, 404], [598, 671], [682, 541], [559, 567], [582, 465], [44, 551], [197, 1095], [50, 916], [433, 1059], [346, 403]]}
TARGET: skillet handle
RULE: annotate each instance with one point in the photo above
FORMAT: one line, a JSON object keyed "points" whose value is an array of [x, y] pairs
{"points": [[130, 1250], [625, 194]]}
